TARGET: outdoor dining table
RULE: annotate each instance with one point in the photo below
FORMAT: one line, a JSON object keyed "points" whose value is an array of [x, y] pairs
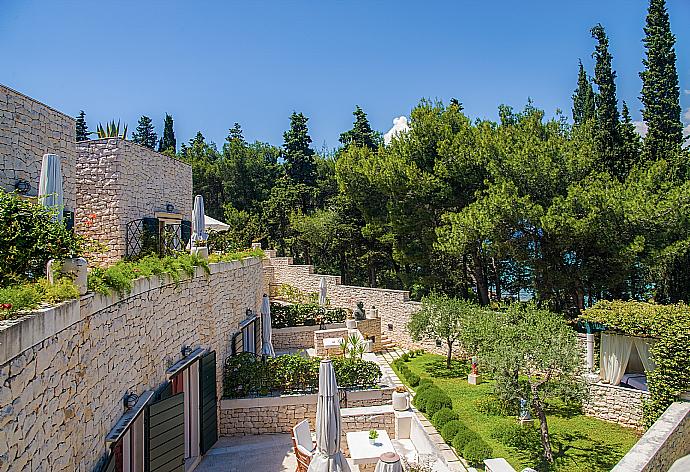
{"points": [[362, 451]]}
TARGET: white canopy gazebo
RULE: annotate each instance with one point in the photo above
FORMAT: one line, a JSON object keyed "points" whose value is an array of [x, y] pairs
{"points": [[624, 360], [212, 224]]}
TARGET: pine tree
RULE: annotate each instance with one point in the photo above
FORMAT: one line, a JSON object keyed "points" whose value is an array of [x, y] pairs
{"points": [[168, 140], [145, 134], [235, 134], [583, 98], [660, 90], [607, 117], [457, 103], [82, 129], [300, 165], [630, 141], [361, 133]]}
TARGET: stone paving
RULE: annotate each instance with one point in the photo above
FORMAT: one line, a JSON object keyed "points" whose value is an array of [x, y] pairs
{"points": [[385, 359]]}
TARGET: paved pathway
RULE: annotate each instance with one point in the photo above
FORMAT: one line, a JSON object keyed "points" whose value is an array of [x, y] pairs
{"points": [[264, 453]]}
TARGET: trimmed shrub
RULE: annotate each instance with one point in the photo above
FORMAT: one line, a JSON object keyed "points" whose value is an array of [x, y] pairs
{"points": [[523, 438], [451, 429], [422, 396], [443, 416], [476, 451], [405, 357], [437, 402], [464, 437], [413, 379]]}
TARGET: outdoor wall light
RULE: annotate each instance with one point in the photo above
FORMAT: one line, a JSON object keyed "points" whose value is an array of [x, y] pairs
{"points": [[438, 342], [169, 207], [185, 350], [390, 326], [129, 400], [249, 313], [22, 186]]}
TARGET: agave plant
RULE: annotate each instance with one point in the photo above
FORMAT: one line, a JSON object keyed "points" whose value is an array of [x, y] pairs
{"points": [[111, 130]]}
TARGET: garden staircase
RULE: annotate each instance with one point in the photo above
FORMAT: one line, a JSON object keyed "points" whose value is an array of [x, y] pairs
{"points": [[387, 344]]}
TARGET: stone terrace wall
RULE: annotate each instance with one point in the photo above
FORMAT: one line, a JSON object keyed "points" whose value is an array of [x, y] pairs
{"points": [[615, 404], [64, 371], [28, 130], [297, 337], [245, 416], [394, 306], [664, 443], [119, 181]]}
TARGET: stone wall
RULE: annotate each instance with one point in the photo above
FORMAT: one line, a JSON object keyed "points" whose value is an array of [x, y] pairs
{"points": [[119, 181], [320, 335], [664, 443], [297, 337], [28, 130], [65, 370], [245, 416], [615, 404], [394, 306]]}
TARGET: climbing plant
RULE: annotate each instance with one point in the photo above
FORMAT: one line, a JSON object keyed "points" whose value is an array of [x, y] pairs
{"points": [[670, 325]]}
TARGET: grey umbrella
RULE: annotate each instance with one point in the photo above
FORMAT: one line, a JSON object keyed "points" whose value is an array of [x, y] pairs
{"points": [[328, 456], [50, 192], [267, 343]]}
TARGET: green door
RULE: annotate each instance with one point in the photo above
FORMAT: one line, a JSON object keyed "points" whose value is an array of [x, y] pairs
{"points": [[165, 434], [208, 401]]}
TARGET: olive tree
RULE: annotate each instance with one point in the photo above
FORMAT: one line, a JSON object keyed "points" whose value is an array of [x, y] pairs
{"points": [[533, 355], [446, 318]]}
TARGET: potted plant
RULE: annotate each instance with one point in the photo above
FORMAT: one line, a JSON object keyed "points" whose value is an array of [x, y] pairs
{"points": [[373, 436], [401, 399], [200, 249]]}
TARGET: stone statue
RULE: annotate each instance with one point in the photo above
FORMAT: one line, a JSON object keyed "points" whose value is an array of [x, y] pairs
{"points": [[359, 312], [524, 411], [475, 366]]}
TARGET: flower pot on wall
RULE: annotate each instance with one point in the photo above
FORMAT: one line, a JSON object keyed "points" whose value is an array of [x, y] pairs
{"points": [[75, 268], [200, 251], [401, 401]]}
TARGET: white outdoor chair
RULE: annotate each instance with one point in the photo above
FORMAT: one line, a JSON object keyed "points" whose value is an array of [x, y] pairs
{"points": [[303, 444]]}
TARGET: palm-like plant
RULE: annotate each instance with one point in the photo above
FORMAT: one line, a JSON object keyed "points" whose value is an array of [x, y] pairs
{"points": [[111, 130]]}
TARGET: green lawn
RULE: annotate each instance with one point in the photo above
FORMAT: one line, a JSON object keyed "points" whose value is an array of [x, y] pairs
{"points": [[580, 443]]}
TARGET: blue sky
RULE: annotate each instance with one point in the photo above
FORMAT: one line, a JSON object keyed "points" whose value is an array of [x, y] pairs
{"points": [[210, 64]]}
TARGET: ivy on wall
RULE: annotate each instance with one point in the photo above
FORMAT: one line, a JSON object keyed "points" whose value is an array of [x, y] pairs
{"points": [[670, 325]]}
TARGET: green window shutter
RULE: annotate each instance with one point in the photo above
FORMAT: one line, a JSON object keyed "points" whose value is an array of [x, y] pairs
{"points": [[186, 232]]}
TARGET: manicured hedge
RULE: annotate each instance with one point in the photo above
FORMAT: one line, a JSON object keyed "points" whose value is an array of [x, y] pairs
{"points": [[443, 416], [303, 314], [451, 429], [436, 402], [476, 451]]}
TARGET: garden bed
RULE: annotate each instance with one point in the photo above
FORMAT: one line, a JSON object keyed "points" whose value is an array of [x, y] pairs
{"points": [[580, 443]]}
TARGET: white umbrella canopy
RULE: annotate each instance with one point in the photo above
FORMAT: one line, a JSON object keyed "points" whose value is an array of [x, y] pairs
{"points": [[322, 291], [50, 192], [267, 343], [389, 462], [212, 224], [198, 221], [328, 456]]}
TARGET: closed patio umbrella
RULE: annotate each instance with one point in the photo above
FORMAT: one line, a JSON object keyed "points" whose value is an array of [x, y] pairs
{"points": [[322, 291], [50, 192], [198, 221], [389, 462], [328, 456], [267, 343]]}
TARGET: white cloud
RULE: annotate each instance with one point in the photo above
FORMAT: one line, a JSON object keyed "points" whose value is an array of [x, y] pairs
{"points": [[399, 126], [641, 128]]}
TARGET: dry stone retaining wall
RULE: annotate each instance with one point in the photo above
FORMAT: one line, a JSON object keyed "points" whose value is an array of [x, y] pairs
{"points": [[28, 130], [664, 443], [615, 404], [119, 181], [64, 371], [297, 337], [247, 416]]}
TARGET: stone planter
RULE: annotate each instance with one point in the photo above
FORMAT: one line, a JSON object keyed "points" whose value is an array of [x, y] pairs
{"points": [[200, 251], [75, 268], [369, 345], [372, 314], [351, 324], [401, 401]]}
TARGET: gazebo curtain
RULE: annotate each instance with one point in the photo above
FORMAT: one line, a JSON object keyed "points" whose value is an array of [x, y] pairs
{"points": [[615, 354]]}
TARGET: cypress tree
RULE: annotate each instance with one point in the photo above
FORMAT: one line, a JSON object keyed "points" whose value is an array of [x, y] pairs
{"points": [[300, 165], [361, 133], [145, 134], [82, 129], [630, 141], [660, 90], [583, 98], [168, 140], [607, 117]]}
